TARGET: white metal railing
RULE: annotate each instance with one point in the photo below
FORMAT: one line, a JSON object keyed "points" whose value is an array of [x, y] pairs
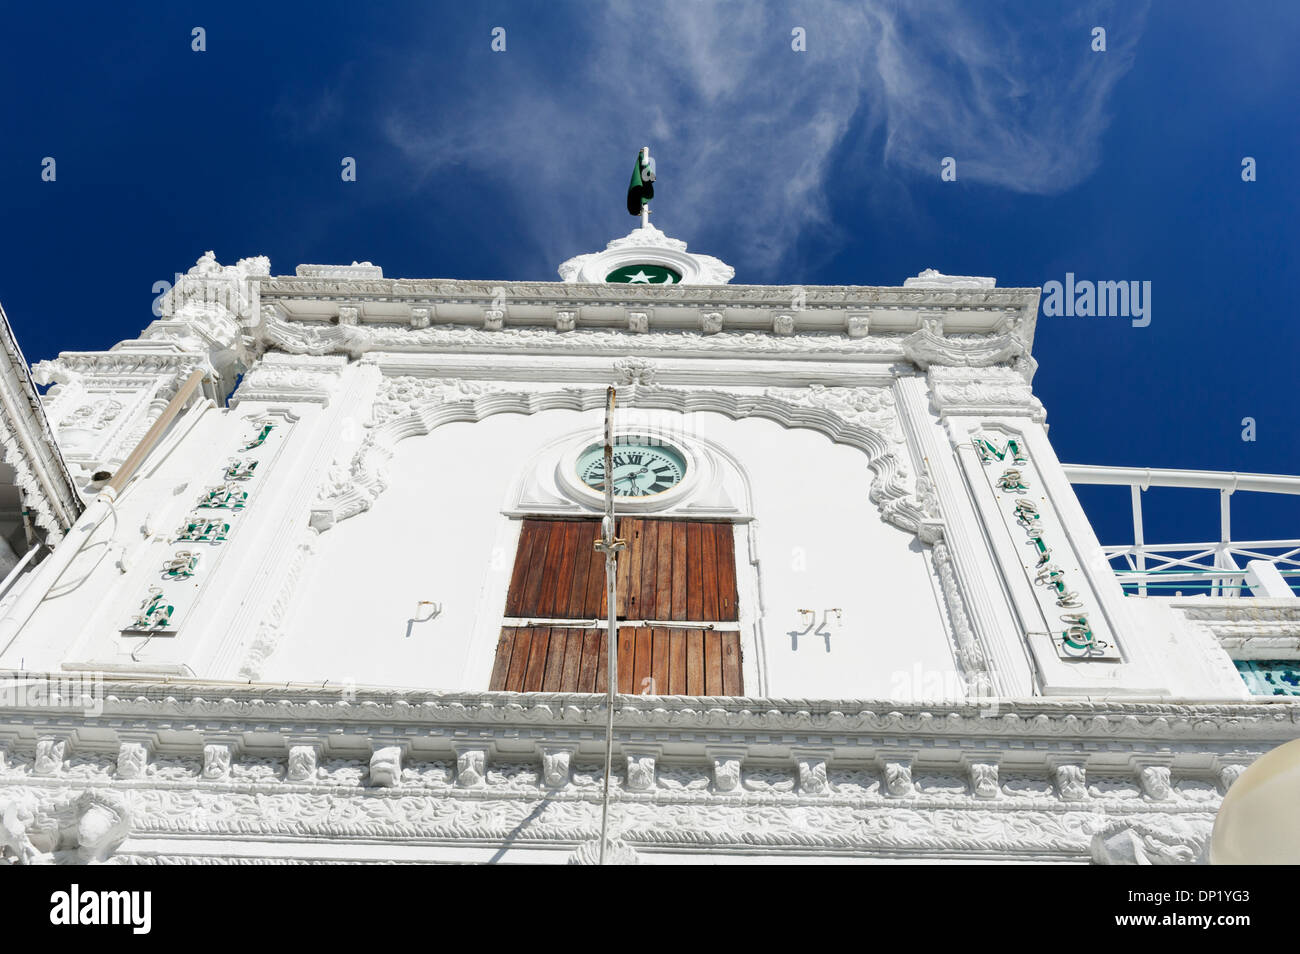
{"points": [[1222, 568]]}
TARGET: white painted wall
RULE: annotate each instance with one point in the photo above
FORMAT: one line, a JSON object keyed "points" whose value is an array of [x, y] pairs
{"points": [[437, 533]]}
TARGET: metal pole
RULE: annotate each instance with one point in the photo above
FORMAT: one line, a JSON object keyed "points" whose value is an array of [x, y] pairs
{"points": [[645, 206], [610, 544]]}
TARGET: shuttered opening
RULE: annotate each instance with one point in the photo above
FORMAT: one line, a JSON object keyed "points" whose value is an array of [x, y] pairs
{"points": [[672, 571]]}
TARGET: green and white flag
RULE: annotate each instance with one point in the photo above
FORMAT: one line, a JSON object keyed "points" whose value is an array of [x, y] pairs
{"points": [[641, 189]]}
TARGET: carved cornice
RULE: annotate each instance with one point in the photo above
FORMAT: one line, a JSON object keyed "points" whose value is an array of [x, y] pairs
{"points": [[297, 378], [319, 338], [835, 775], [433, 290], [1255, 628], [999, 391], [1262, 721]]}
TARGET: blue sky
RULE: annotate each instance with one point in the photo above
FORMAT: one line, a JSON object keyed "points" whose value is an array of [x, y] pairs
{"points": [[820, 167]]}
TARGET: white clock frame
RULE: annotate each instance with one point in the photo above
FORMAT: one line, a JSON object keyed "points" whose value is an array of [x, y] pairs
{"points": [[568, 480], [713, 486]]}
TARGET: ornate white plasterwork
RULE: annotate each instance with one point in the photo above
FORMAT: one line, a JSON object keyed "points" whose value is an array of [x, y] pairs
{"points": [[925, 348], [298, 378], [27, 444], [1136, 841], [1255, 628], [647, 246], [997, 391], [864, 418], [270, 630], [967, 651], [933, 278], [863, 796], [298, 337]]}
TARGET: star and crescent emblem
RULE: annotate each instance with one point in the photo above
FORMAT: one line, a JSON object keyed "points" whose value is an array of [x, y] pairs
{"points": [[644, 275]]}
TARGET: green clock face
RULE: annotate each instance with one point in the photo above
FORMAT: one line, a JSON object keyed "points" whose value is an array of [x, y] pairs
{"points": [[644, 275], [642, 468]]}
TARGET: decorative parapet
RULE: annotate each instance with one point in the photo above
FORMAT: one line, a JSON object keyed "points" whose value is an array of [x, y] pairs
{"points": [[355, 270]]}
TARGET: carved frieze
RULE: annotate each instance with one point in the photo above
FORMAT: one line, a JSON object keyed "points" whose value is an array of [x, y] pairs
{"points": [[983, 391]]}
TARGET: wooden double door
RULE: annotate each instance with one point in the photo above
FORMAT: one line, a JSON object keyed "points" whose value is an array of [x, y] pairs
{"points": [[678, 572]]}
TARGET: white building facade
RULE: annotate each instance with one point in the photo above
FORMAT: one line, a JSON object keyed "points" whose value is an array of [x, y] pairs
{"points": [[343, 605]]}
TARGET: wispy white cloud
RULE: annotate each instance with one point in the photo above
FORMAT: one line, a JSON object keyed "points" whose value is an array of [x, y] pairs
{"points": [[751, 137]]}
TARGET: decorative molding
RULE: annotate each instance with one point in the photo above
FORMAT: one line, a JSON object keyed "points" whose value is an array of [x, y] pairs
{"points": [[984, 780], [1254, 628], [985, 391], [319, 338], [1133, 841], [898, 778], [270, 630], [294, 378], [28, 445], [794, 799], [928, 347], [362, 270], [634, 371], [425, 291], [1071, 782], [49, 756], [386, 766], [863, 417], [471, 767], [303, 761], [967, 650], [216, 761], [1155, 780], [649, 246]]}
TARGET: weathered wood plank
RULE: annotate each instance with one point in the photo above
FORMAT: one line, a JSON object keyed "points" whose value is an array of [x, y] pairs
{"points": [[646, 599], [733, 683], [555, 660], [695, 662], [643, 673], [624, 532], [626, 660], [501, 665], [658, 662], [709, 571], [678, 610], [677, 662], [532, 587], [591, 659], [575, 606], [594, 605], [559, 567], [632, 605], [519, 660], [572, 660], [664, 572], [528, 534], [712, 663], [728, 601], [537, 659], [694, 572]]}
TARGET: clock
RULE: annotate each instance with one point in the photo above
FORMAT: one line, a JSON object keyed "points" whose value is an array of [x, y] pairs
{"points": [[644, 275], [642, 467]]}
